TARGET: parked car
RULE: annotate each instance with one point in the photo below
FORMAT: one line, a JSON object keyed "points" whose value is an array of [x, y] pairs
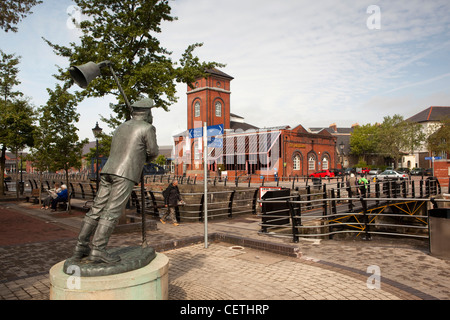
{"points": [[338, 172], [322, 174], [362, 170], [374, 171], [403, 170], [391, 174], [152, 168], [349, 171], [417, 171]]}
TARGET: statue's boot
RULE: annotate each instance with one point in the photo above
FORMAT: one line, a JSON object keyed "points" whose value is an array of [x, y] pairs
{"points": [[101, 237], [82, 248]]}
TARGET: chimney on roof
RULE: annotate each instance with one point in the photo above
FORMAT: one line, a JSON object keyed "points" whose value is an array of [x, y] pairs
{"points": [[334, 127]]}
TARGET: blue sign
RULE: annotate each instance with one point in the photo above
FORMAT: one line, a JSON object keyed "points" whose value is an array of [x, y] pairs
{"points": [[215, 142], [433, 158], [215, 130], [196, 133], [211, 131]]}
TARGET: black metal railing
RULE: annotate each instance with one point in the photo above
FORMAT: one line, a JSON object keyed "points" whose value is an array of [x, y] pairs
{"points": [[326, 211]]}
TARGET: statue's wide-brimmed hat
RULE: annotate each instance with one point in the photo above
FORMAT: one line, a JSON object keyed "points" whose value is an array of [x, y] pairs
{"points": [[146, 103]]}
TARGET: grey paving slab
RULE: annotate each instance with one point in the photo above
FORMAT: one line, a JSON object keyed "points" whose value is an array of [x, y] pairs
{"points": [[325, 270]]}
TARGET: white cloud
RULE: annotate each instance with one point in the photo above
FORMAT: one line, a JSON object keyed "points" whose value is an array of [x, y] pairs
{"points": [[299, 62]]}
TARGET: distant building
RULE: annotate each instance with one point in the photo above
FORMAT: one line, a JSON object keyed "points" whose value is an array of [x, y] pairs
{"points": [[430, 120], [342, 134], [245, 149]]}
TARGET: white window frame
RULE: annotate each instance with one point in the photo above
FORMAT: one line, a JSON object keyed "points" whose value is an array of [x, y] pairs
{"points": [[311, 163], [296, 162]]}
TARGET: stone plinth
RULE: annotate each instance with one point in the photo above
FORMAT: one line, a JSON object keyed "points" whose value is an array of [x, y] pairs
{"points": [[150, 282]]}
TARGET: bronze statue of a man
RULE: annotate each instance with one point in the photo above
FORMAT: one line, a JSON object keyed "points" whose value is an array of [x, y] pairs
{"points": [[133, 144]]}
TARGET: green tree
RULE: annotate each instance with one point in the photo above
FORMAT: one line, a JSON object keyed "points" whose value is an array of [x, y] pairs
{"points": [[124, 32], [19, 117], [59, 142], [160, 160], [8, 98], [393, 137], [439, 141], [364, 141], [13, 11], [414, 136]]}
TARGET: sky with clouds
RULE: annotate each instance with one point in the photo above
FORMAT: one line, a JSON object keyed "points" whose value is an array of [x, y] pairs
{"points": [[294, 62]]}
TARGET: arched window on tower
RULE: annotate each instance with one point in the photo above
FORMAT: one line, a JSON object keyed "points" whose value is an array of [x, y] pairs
{"points": [[197, 109], [218, 108]]}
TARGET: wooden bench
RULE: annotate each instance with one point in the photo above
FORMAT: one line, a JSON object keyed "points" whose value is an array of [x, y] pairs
{"points": [[35, 193]]}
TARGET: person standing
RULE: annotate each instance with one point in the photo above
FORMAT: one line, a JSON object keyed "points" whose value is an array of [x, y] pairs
{"points": [[133, 144], [172, 198], [352, 184], [362, 186]]}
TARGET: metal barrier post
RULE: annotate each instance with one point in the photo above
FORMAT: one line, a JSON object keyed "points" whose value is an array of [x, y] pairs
{"points": [[350, 202], [200, 209], [333, 210], [255, 198], [230, 204], [339, 185], [308, 197], [421, 188], [293, 221], [377, 192], [366, 219], [155, 206]]}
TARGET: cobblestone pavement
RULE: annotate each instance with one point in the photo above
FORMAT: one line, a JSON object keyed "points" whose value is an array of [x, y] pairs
{"points": [[326, 269]]}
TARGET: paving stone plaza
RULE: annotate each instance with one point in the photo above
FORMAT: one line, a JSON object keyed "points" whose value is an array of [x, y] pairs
{"points": [[232, 267]]}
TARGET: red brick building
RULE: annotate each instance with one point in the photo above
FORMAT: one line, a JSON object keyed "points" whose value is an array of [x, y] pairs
{"points": [[246, 149]]}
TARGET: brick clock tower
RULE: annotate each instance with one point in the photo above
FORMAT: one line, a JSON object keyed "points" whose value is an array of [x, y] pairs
{"points": [[209, 100]]}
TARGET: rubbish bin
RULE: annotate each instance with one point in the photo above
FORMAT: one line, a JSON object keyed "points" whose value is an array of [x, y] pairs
{"points": [[276, 213], [317, 182], [440, 232], [21, 187]]}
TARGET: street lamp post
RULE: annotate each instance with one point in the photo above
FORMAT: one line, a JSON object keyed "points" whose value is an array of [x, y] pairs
{"points": [[97, 132], [341, 147]]}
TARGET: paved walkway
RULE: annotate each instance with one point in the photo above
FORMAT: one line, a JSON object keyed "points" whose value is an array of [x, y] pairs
{"points": [[231, 268]]}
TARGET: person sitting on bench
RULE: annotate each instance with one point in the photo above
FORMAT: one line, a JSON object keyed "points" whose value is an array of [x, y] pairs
{"points": [[62, 197], [52, 194]]}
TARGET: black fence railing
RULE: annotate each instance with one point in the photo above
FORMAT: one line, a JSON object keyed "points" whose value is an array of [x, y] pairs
{"points": [[225, 203], [388, 207]]}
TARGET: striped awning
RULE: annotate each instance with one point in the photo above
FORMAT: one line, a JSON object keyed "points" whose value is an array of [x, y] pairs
{"points": [[252, 143]]}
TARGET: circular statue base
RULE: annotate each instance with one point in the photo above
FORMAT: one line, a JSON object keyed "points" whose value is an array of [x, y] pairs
{"points": [[150, 282], [131, 258]]}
